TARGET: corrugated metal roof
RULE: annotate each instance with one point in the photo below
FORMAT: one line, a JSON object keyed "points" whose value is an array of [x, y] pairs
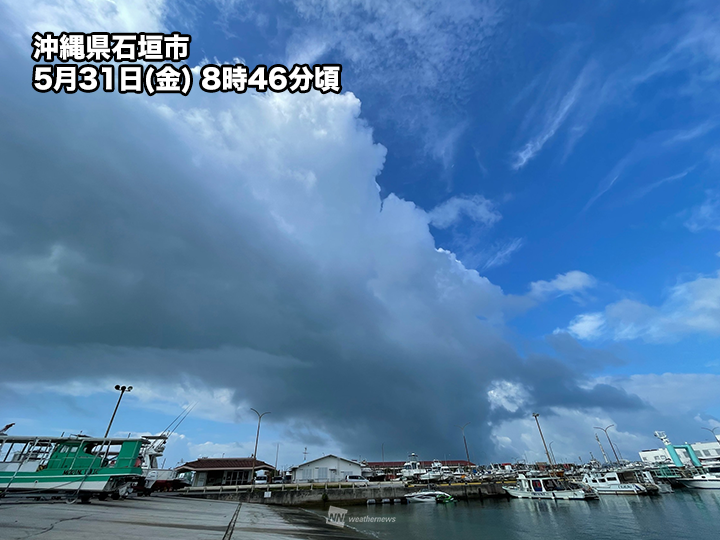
{"points": [[223, 464]]}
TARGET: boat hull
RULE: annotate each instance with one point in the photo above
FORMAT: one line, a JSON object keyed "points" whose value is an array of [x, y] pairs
{"points": [[565, 495], [622, 489], [701, 483], [35, 483]]}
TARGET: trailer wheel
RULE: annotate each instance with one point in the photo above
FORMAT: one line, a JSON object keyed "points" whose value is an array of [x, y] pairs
{"points": [[85, 499], [115, 496], [103, 496]]}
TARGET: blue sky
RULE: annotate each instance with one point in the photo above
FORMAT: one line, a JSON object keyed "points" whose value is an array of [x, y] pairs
{"points": [[548, 206]]}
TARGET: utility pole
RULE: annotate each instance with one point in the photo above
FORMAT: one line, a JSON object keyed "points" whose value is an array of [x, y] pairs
{"points": [[122, 390], [277, 451], [712, 430], [467, 454], [547, 453], [257, 437], [382, 456]]}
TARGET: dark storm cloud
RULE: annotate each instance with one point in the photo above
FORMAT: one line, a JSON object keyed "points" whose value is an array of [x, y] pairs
{"points": [[571, 351], [130, 246]]}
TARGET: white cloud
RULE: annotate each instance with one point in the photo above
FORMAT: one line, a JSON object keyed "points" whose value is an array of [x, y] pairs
{"points": [[216, 404], [508, 395], [587, 326], [569, 433], [417, 46], [671, 393], [690, 307], [476, 208], [572, 283]]}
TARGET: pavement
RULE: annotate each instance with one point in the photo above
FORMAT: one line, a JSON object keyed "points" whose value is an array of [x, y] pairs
{"points": [[161, 517]]}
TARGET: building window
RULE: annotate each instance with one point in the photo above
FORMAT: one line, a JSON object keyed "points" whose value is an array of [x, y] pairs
{"points": [[322, 473]]}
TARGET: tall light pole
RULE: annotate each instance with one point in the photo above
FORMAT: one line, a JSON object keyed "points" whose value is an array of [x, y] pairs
{"points": [[547, 453], [608, 438], [257, 437], [122, 390], [467, 454]]}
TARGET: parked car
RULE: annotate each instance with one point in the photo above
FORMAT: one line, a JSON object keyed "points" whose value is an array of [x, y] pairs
{"points": [[278, 480], [261, 479], [357, 479]]}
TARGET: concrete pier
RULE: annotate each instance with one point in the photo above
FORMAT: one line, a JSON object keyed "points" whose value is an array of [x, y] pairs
{"points": [[304, 495], [161, 518]]}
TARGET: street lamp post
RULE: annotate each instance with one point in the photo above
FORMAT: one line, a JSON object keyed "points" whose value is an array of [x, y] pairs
{"points": [[608, 438], [122, 390], [467, 454], [257, 437], [547, 452]]}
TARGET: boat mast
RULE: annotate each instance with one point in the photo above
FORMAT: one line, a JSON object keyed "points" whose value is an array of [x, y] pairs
{"points": [[601, 448], [547, 453]]}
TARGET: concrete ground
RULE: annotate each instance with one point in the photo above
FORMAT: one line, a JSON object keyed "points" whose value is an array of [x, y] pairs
{"points": [[160, 517]]}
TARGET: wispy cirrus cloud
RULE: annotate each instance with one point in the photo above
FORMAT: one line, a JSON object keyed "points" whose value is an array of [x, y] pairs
{"points": [[502, 253], [555, 116], [706, 215]]}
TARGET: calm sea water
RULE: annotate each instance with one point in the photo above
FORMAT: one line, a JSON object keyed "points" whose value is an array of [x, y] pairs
{"points": [[686, 514]]}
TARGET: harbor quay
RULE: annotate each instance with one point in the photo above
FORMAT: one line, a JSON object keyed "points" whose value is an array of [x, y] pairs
{"points": [[319, 494], [162, 518]]}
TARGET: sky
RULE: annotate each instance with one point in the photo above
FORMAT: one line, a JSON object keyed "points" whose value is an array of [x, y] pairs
{"points": [[511, 207]]}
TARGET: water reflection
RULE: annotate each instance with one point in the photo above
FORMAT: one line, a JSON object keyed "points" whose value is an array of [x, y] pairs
{"points": [[684, 514]]}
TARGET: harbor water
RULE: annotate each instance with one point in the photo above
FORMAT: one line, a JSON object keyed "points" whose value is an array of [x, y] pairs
{"points": [[686, 514]]}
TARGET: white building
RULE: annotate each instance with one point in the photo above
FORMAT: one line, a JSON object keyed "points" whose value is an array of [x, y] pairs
{"points": [[328, 468], [706, 451]]}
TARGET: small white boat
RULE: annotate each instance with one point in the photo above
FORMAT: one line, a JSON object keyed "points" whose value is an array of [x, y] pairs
{"points": [[702, 481], [434, 474], [549, 488], [428, 496], [620, 482]]}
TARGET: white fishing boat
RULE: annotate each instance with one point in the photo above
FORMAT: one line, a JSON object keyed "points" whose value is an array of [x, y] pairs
{"points": [[429, 496], [412, 469], [434, 474], [702, 481], [546, 487], [620, 482]]}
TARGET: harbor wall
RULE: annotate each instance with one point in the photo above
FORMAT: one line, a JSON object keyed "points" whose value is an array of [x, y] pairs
{"points": [[319, 495]]}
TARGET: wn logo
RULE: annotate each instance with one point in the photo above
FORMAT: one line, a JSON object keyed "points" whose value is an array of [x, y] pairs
{"points": [[336, 516]]}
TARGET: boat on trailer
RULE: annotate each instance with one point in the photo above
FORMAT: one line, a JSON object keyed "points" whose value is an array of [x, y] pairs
{"points": [[548, 487], [154, 477], [76, 466]]}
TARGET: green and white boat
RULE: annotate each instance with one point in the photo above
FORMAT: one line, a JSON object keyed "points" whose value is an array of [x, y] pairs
{"points": [[77, 466]]}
